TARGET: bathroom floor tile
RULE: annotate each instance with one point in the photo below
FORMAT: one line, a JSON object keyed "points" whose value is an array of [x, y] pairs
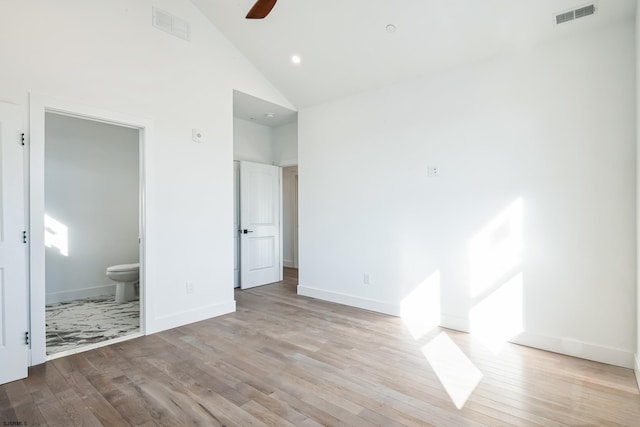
{"points": [[76, 323]]}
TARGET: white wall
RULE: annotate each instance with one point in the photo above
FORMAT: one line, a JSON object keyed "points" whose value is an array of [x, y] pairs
{"points": [[552, 127], [258, 143], [637, 355], [91, 186], [252, 142], [106, 54], [285, 144]]}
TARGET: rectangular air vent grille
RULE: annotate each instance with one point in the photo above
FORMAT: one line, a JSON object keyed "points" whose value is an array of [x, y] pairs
{"points": [[565, 17], [578, 13], [171, 24], [585, 11]]}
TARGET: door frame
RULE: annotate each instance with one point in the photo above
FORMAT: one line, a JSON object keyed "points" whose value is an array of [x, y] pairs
{"points": [[290, 193], [236, 224], [38, 106]]}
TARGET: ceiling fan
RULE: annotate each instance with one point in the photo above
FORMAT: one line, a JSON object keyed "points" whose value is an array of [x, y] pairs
{"points": [[261, 9]]}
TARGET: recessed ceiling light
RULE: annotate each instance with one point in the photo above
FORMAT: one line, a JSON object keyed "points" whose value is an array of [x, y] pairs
{"points": [[296, 59], [390, 28], [269, 115]]}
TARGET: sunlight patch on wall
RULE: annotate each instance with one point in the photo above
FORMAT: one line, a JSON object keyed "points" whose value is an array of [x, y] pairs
{"points": [[457, 373], [498, 317], [497, 249], [420, 310], [56, 235]]}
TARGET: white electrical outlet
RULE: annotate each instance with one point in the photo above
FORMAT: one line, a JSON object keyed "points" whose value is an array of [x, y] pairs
{"points": [[433, 171], [366, 279], [189, 288]]}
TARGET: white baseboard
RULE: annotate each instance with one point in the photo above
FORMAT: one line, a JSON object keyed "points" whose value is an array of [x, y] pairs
{"points": [[583, 350], [94, 291], [456, 323], [350, 300], [637, 369], [175, 320], [288, 263], [598, 353]]}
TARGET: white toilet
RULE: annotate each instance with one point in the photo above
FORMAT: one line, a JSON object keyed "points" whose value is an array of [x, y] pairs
{"points": [[126, 277]]}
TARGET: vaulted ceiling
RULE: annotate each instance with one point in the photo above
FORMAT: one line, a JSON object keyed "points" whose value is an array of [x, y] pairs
{"points": [[345, 47]]}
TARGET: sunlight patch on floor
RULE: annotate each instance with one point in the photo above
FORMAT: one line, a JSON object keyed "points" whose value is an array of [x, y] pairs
{"points": [[457, 373]]}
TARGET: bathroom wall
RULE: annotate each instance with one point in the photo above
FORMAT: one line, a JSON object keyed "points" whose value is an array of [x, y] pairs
{"points": [[91, 196]]}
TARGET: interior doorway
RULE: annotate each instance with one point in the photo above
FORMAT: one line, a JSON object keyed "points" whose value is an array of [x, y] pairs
{"points": [[264, 133], [92, 218], [47, 221]]}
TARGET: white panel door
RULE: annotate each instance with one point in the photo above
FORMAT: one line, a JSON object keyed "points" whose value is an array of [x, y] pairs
{"points": [[260, 239], [13, 282]]}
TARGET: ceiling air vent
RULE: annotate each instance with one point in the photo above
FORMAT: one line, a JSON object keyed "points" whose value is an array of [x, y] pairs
{"points": [[578, 13], [171, 24]]}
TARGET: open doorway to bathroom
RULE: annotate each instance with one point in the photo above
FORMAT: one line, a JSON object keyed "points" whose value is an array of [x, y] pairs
{"points": [[92, 224]]}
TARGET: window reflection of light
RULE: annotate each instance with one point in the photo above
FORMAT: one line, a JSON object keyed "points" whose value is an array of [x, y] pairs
{"points": [[496, 249], [56, 235], [420, 310], [498, 317], [496, 314], [458, 375]]}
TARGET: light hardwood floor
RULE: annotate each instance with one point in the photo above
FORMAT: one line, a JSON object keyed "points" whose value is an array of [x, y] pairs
{"points": [[284, 360]]}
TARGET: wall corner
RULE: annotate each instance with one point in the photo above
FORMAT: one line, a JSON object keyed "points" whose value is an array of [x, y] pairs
{"points": [[636, 369]]}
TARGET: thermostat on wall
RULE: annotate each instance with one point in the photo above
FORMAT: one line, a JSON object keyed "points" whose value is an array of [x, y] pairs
{"points": [[196, 135]]}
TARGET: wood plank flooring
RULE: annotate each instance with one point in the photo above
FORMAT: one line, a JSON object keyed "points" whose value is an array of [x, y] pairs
{"points": [[285, 360]]}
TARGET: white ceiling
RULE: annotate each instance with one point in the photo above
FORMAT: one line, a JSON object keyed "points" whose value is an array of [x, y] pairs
{"points": [[250, 108], [345, 48]]}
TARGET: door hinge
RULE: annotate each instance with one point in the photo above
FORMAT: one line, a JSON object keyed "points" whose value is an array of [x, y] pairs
{"points": [[26, 338], [22, 139], [24, 237]]}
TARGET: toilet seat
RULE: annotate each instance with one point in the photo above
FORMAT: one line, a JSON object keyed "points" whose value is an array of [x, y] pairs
{"points": [[123, 267]]}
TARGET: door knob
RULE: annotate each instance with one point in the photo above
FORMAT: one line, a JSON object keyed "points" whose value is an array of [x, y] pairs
{"points": [[245, 231]]}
